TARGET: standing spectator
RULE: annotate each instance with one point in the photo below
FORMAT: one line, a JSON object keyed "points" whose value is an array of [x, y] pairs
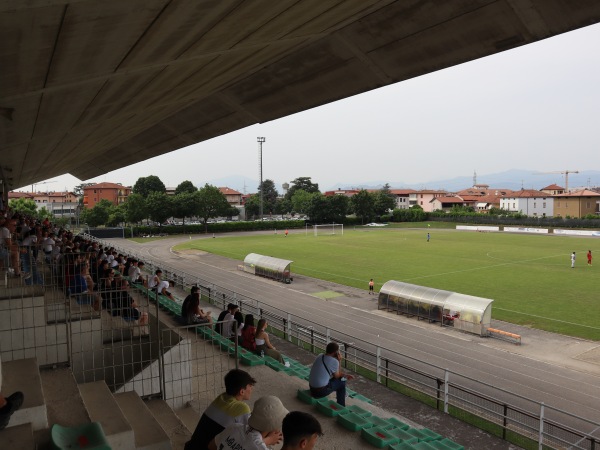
{"points": [[228, 408], [573, 260], [589, 257], [371, 287], [262, 431], [263, 344], [326, 375], [300, 431]]}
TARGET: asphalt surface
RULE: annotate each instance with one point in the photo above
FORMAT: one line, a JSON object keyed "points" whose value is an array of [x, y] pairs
{"points": [[561, 372]]}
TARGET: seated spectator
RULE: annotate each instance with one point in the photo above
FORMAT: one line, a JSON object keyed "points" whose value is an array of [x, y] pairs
{"points": [[125, 305], [227, 409], [225, 321], [238, 317], [248, 333], [154, 280], [191, 312], [263, 429], [326, 375], [161, 289], [263, 344], [135, 272], [300, 431]]}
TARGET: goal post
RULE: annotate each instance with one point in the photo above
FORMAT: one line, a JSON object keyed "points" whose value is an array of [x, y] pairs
{"points": [[329, 229]]}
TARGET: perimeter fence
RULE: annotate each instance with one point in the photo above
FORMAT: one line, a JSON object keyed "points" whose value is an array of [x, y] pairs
{"points": [[516, 418]]}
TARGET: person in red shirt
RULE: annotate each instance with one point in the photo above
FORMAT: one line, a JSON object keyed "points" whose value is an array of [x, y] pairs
{"points": [[589, 255]]}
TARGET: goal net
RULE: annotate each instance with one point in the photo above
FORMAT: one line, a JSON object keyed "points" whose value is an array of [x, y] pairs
{"points": [[329, 229]]}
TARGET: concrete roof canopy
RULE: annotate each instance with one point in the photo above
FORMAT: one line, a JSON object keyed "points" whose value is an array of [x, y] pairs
{"points": [[88, 87]]}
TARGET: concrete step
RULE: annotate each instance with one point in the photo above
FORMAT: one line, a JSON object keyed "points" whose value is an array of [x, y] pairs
{"points": [[149, 435], [19, 437], [178, 433], [102, 407], [23, 375]]}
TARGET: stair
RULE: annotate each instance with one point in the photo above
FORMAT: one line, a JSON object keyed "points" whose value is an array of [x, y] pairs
{"points": [[23, 375]]}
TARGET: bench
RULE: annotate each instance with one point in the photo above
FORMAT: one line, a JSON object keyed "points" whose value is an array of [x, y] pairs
{"points": [[512, 337]]}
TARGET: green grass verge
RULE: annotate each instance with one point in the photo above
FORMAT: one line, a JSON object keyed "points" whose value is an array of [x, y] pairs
{"points": [[528, 276]]}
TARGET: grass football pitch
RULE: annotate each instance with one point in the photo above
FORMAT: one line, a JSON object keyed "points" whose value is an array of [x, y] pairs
{"points": [[529, 277]]}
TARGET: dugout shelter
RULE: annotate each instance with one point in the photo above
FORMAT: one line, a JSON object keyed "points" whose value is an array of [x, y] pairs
{"points": [[461, 311], [268, 267]]}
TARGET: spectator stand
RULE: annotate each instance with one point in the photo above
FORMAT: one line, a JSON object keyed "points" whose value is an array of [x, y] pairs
{"points": [[463, 312], [268, 267]]}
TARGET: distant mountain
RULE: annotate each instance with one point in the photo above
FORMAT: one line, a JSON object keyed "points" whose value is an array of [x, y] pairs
{"points": [[510, 179]]}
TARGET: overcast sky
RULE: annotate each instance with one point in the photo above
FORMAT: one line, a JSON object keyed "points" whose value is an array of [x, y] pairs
{"points": [[536, 107]]}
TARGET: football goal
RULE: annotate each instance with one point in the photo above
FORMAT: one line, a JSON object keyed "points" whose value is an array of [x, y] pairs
{"points": [[329, 229]]}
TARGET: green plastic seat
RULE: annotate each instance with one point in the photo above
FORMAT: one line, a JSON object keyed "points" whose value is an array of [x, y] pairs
{"points": [[403, 435], [305, 396], [251, 360], [380, 422], [329, 407], [89, 436], [353, 421], [398, 423], [424, 434], [359, 411], [379, 437], [362, 398]]}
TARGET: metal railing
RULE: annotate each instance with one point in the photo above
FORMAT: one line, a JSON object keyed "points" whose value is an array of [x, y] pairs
{"points": [[506, 414]]}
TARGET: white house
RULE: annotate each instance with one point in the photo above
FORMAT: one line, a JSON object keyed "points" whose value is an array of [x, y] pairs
{"points": [[530, 202]]}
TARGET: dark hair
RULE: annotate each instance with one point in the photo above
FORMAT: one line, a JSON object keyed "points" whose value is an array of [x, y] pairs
{"points": [[236, 380], [249, 321], [192, 306], [239, 318], [298, 425], [194, 289], [259, 326], [332, 347]]}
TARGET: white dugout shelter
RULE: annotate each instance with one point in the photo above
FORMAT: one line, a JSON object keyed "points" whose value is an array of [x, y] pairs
{"points": [[269, 267], [464, 312]]}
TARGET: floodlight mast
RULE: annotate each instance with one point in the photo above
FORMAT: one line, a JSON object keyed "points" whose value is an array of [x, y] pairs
{"points": [[260, 173]]}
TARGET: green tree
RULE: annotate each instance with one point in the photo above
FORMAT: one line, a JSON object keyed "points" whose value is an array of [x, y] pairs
{"points": [[337, 207], [185, 186], [283, 206], [145, 185], [185, 204], [318, 208], [301, 201], [301, 183], [24, 206], [78, 190], [384, 201], [159, 206], [252, 206], [136, 210], [117, 215], [363, 205], [211, 203], [98, 215], [270, 195]]}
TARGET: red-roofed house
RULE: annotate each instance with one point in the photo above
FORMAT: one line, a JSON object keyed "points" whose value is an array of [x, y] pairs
{"points": [[445, 203], [553, 189], [234, 198], [402, 197], [113, 192], [530, 202], [423, 198], [577, 203], [346, 192]]}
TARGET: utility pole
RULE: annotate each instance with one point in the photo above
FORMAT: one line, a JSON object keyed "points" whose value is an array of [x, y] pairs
{"points": [[260, 140]]}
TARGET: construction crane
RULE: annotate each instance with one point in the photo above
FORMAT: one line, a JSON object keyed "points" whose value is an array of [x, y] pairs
{"points": [[562, 172], [41, 182]]}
